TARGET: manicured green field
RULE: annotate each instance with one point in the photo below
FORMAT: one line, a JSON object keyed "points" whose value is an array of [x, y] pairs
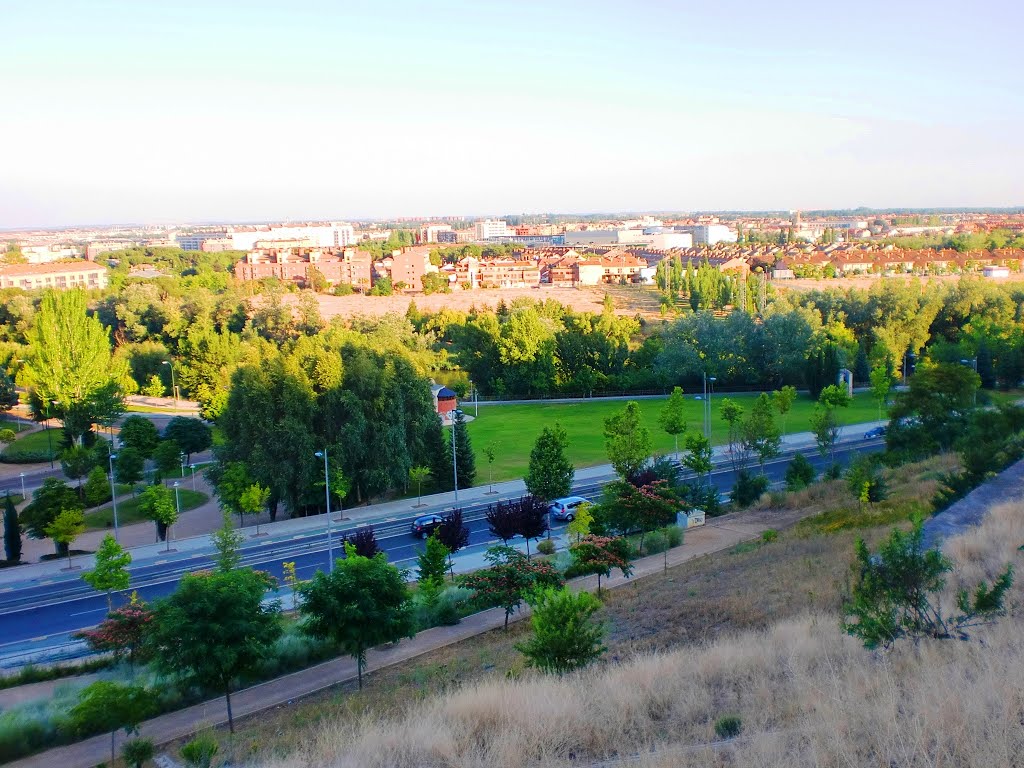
{"points": [[128, 510], [33, 443], [514, 428]]}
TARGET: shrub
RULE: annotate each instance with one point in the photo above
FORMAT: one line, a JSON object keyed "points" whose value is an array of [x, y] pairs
{"points": [[565, 637], [546, 547], [199, 752], [748, 488], [655, 542], [137, 752], [769, 536], [97, 488], [674, 534], [834, 472], [728, 727], [777, 499], [799, 474], [343, 289]]}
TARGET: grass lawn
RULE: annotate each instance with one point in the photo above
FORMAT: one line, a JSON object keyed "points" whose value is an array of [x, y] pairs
{"points": [[128, 510], [33, 443], [514, 428]]}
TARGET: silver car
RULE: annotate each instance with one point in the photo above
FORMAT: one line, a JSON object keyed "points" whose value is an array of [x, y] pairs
{"points": [[565, 508]]}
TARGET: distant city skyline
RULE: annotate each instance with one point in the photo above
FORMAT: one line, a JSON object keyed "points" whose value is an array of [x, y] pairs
{"points": [[116, 112]]}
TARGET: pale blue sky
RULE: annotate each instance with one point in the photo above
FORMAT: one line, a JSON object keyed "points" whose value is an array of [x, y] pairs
{"points": [[140, 111]]}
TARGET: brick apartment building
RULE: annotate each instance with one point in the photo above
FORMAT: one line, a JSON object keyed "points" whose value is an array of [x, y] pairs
{"points": [[59, 275], [292, 264]]}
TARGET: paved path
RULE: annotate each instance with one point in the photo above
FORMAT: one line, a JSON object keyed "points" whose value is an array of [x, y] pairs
{"points": [[722, 533], [969, 511]]}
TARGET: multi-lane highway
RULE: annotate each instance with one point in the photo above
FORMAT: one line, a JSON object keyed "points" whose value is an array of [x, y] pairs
{"points": [[42, 614]]}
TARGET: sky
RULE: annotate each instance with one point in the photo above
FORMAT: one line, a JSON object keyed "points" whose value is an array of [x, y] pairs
{"points": [[146, 112]]}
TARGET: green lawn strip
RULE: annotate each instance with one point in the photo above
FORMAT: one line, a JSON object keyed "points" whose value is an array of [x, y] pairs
{"points": [[128, 509], [514, 428], [132, 408], [34, 443]]}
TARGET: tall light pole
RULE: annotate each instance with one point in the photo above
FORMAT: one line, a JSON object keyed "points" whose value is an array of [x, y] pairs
{"points": [[193, 468], [174, 387], [113, 490], [177, 506], [973, 362], [704, 405], [711, 392], [327, 485], [23, 494]]}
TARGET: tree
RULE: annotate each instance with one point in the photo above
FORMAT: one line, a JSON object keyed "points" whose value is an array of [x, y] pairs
{"points": [[65, 528], [363, 603], [231, 481], [759, 433], [503, 520], [199, 752], [507, 579], [191, 435], [139, 433], [109, 706], [934, 411], [157, 504], [627, 440], [122, 633], [70, 362], [417, 475], [881, 385], [490, 453], [673, 416], [167, 458], [565, 637], [783, 400], [599, 555], [8, 392], [433, 561], [799, 473], [111, 572], [463, 451], [626, 508], [551, 473], [824, 423], [453, 534], [215, 627], [532, 519], [732, 413], [896, 594], [48, 501], [253, 501], [97, 487], [865, 480], [12, 532], [579, 526], [128, 466], [75, 463], [228, 543], [363, 541]]}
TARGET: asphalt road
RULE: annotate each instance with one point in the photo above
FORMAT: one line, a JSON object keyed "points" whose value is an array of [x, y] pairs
{"points": [[44, 614]]}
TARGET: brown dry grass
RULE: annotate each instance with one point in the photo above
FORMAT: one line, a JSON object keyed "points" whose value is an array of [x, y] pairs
{"points": [[807, 695]]}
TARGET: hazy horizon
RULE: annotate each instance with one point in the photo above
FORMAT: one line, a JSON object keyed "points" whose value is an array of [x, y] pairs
{"points": [[201, 111]]}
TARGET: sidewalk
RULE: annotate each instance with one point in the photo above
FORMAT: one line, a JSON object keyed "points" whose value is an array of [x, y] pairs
{"points": [[722, 533], [188, 541]]}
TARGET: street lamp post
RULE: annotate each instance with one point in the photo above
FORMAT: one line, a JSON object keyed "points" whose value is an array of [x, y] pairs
{"points": [[327, 485], [181, 458], [174, 387], [23, 495], [704, 404], [711, 392], [177, 506], [49, 440], [193, 468], [973, 362], [113, 490]]}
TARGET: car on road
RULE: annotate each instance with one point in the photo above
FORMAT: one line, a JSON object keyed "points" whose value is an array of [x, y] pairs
{"points": [[876, 432], [424, 525], [565, 508]]}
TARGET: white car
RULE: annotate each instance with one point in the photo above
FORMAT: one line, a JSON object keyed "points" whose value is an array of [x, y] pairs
{"points": [[565, 508]]}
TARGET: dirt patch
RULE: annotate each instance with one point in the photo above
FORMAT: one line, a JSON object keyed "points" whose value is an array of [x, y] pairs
{"points": [[579, 299]]}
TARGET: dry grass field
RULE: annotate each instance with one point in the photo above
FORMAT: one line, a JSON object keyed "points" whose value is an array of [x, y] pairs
{"points": [[807, 695], [752, 632]]}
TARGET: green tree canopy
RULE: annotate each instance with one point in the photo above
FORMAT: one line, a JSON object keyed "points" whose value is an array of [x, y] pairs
{"points": [[550, 474], [363, 603], [565, 636], [673, 415], [627, 440], [111, 571]]}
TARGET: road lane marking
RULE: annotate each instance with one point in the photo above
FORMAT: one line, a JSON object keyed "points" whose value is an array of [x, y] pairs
{"points": [[85, 613]]}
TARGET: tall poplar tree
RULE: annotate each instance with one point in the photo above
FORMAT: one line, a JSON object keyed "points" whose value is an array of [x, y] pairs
{"points": [[551, 473]]}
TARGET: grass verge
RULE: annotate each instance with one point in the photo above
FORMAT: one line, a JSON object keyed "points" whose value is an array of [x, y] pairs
{"points": [[128, 510]]}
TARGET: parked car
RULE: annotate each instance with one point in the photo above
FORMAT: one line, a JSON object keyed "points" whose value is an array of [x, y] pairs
{"points": [[876, 432], [565, 508], [425, 525]]}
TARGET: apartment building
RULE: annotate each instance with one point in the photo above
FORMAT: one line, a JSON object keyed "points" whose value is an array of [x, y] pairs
{"points": [[488, 229], [58, 275], [334, 235], [293, 264]]}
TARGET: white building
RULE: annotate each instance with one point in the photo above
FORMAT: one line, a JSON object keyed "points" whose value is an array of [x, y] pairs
{"points": [[325, 236], [491, 228], [709, 234], [664, 241]]}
